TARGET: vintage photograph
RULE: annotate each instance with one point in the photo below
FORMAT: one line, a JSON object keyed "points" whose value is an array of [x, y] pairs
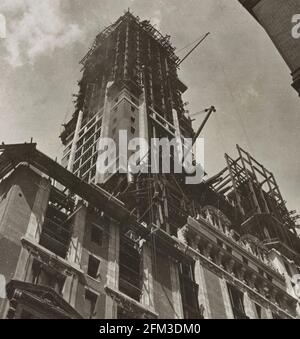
{"points": [[150, 161]]}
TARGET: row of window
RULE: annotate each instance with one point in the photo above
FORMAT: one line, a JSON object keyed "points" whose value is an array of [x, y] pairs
{"points": [[238, 307], [96, 237], [236, 298], [93, 270]]}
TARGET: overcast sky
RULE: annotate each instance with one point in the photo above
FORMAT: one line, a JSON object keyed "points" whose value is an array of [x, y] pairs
{"points": [[237, 69]]}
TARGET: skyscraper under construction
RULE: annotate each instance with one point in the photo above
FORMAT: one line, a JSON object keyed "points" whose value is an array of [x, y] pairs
{"points": [[76, 242], [129, 83]]}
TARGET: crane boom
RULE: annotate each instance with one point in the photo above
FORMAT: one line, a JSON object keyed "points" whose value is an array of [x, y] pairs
{"points": [[192, 50]]}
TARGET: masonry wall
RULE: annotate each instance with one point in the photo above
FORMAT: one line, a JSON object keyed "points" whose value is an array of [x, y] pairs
{"points": [[23, 201], [276, 18], [18, 197], [215, 298], [100, 252], [214, 294]]}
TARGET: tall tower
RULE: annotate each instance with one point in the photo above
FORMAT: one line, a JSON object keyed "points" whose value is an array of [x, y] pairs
{"points": [[129, 83], [276, 17]]}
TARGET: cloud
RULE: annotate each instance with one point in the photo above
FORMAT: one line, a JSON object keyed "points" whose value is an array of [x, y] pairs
{"points": [[11, 5], [36, 28]]}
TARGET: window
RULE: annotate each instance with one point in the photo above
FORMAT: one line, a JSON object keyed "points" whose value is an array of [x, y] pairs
{"points": [[96, 235], [114, 131], [133, 120], [90, 303], [237, 302], [187, 271], [130, 281], [132, 109], [189, 292], [287, 268], [93, 267], [132, 130]]}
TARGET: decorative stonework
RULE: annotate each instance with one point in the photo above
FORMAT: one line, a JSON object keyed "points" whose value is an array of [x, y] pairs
{"points": [[225, 265], [130, 305], [40, 298], [49, 259]]}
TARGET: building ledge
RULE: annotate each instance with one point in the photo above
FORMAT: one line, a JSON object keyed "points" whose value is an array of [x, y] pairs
{"points": [[53, 260], [130, 304], [194, 224], [39, 297], [222, 272]]}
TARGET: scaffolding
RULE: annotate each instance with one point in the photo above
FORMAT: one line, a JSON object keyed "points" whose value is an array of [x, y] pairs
{"points": [[56, 229], [253, 191], [253, 188], [145, 25], [130, 267]]}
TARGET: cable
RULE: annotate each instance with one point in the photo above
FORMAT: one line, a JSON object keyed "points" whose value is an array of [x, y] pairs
{"points": [[193, 49], [190, 44]]}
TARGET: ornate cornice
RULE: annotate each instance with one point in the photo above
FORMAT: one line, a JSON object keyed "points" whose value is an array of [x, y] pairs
{"points": [[243, 281], [130, 304], [50, 259], [203, 228], [42, 296]]}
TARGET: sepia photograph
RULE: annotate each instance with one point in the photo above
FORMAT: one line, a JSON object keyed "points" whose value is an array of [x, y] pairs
{"points": [[149, 162]]}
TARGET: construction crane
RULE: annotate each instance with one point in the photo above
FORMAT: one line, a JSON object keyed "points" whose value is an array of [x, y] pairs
{"points": [[209, 112], [193, 49]]}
